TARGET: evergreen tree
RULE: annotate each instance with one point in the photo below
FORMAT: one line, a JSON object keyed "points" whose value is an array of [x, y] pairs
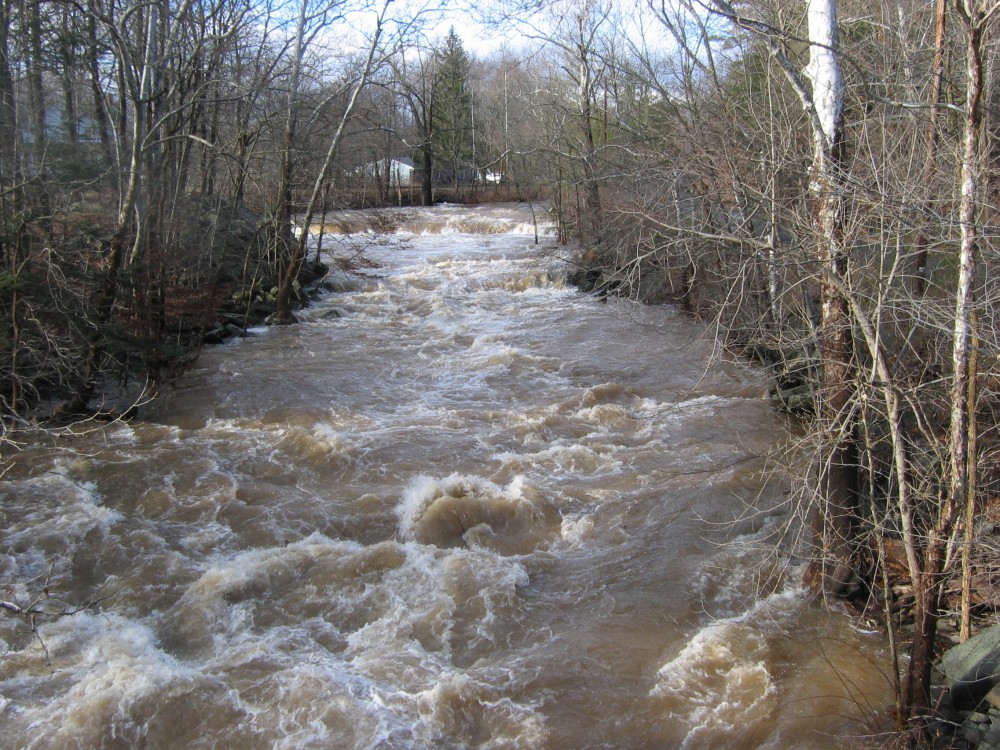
{"points": [[453, 130]]}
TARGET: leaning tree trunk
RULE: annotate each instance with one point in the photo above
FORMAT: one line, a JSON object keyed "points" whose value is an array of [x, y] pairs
{"points": [[283, 301]]}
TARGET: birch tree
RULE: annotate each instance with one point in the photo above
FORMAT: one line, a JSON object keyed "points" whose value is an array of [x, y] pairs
{"points": [[837, 508], [820, 89]]}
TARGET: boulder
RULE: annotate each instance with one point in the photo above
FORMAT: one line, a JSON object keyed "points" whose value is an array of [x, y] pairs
{"points": [[222, 333], [972, 668]]}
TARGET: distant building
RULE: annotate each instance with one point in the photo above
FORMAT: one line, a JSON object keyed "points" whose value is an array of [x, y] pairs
{"points": [[397, 171]]}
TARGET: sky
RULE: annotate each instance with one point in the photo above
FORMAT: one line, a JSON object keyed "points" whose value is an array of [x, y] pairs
{"points": [[477, 38]]}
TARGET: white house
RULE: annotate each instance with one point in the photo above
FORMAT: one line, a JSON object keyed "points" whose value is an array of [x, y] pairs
{"points": [[397, 171]]}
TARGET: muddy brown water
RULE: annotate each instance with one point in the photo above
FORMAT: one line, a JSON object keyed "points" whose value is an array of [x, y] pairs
{"points": [[460, 506]]}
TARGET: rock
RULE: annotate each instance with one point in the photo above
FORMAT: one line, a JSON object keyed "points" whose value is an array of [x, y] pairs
{"points": [[992, 739], [274, 320], [589, 280], [222, 333], [214, 336], [973, 733], [795, 400], [993, 698], [972, 668]]}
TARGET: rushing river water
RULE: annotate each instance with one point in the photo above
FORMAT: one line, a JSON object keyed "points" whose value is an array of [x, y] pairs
{"points": [[460, 506]]}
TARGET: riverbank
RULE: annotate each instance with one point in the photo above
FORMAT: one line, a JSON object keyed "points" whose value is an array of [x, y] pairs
{"points": [[884, 530]]}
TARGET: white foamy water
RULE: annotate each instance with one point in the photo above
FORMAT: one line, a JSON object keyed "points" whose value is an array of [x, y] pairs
{"points": [[460, 505]]}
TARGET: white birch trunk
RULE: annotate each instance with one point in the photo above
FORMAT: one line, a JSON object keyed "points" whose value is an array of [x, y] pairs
{"points": [[834, 528], [966, 266], [824, 72]]}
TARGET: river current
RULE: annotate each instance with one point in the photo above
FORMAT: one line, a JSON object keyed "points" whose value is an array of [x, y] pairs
{"points": [[460, 505]]}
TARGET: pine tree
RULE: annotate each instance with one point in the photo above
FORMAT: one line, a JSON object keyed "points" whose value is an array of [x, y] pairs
{"points": [[453, 135]]}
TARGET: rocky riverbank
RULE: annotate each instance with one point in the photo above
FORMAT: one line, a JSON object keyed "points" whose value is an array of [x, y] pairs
{"points": [[968, 688]]}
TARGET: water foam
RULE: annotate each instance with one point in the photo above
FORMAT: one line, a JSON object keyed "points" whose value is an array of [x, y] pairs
{"points": [[467, 510], [103, 665], [722, 681], [77, 509], [577, 529], [563, 458], [459, 706], [719, 683]]}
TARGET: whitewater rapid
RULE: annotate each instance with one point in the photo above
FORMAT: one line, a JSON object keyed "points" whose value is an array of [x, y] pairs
{"points": [[460, 505]]}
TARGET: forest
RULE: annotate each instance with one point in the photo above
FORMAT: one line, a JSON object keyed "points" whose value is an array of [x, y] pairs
{"points": [[815, 180]]}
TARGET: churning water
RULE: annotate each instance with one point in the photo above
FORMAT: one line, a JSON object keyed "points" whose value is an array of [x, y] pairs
{"points": [[461, 505]]}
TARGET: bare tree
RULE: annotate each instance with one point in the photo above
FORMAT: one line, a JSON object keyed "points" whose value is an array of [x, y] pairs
{"points": [[374, 56]]}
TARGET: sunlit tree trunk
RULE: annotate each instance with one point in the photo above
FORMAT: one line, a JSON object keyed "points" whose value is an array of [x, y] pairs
{"points": [[929, 595], [835, 513], [834, 510]]}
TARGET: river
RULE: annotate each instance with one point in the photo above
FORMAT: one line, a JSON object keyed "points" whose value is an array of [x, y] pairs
{"points": [[460, 505]]}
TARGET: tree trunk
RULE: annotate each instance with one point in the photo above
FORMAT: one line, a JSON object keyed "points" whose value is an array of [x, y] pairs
{"points": [[965, 628], [917, 696], [285, 286], [920, 270], [39, 131], [427, 175], [8, 132], [585, 93], [96, 89], [283, 237], [69, 51], [835, 513], [36, 86]]}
